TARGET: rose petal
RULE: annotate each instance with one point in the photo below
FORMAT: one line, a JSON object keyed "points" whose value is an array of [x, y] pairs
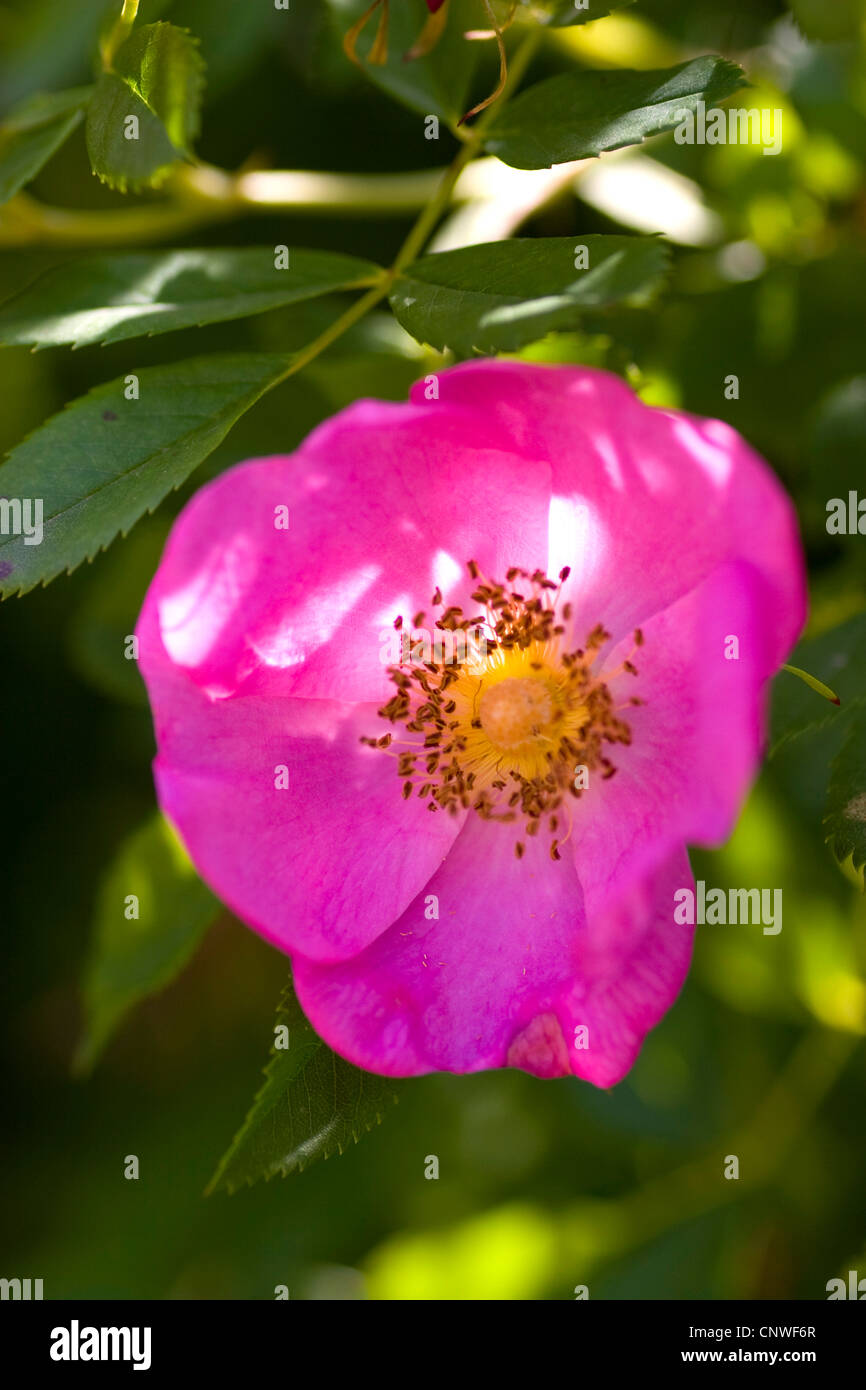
{"points": [[646, 502], [511, 951], [696, 742], [322, 866], [384, 503]]}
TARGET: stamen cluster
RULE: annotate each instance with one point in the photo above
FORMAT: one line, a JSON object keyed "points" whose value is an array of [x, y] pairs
{"points": [[518, 725]]}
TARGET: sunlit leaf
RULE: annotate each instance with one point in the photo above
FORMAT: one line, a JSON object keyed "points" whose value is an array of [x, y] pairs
{"points": [[579, 114], [104, 299], [105, 460], [500, 296], [157, 81]]}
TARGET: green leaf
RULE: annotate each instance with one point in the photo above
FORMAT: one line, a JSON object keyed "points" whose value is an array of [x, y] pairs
{"points": [[33, 132], [580, 114], [838, 658], [119, 161], [157, 78], [561, 14], [133, 957], [437, 84], [845, 809], [500, 296], [104, 299], [104, 461], [313, 1104], [163, 65]]}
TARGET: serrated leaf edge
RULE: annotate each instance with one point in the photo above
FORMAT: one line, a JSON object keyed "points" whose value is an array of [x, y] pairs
{"points": [[18, 592], [218, 1183]]}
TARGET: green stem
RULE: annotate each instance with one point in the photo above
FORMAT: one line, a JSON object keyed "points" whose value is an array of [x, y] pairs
{"points": [[26, 222], [353, 314], [474, 141], [427, 221], [434, 209], [203, 195], [119, 33]]}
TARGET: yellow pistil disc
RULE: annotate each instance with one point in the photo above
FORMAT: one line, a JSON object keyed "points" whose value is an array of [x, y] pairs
{"points": [[513, 713], [503, 727]]}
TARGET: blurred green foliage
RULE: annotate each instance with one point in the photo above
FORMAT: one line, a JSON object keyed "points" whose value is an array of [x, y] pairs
{"points": [[543, 1186]]}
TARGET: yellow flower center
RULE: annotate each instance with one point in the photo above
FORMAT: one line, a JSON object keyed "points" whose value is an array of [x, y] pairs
{"points": [[510, 725], [517, 711]]}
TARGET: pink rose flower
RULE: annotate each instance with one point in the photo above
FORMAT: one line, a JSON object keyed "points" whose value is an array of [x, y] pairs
{"points": [[478, 889]]}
